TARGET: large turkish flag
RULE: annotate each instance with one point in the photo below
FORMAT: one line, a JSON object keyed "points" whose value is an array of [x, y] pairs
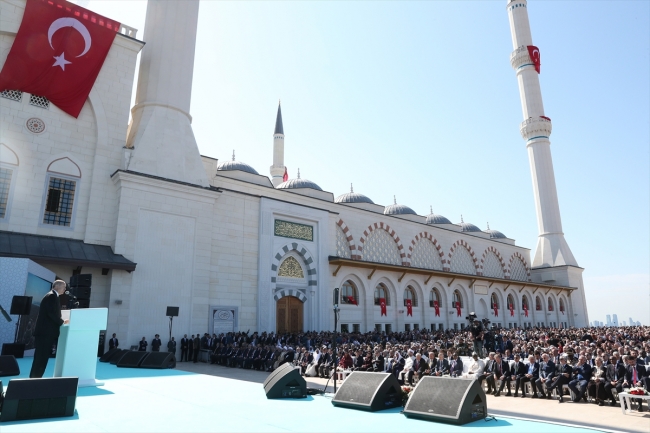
{"points": [[58, 53]]}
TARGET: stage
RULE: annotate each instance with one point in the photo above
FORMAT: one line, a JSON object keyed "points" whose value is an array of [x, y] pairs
{"points": [[174, 400]]}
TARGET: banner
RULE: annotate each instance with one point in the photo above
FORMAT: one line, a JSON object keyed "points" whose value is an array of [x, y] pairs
{"points": [[351, 300], [533, 52], [382, 304], [58, 52], [458, 309], [525, 310], [436, 307], [409, 308], [512, 310], [496, 310]]}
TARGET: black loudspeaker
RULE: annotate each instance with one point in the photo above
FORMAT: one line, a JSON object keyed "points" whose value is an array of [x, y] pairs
{"points": [[82, 293], [369, 391], [172, 312], [81, 280], [132, 359], [39, 398], [83, 303], [446, 399], [285, 382], [117, 356], [21, 305], [107, 356], [9, 366], [159, 360], [17, 350]]}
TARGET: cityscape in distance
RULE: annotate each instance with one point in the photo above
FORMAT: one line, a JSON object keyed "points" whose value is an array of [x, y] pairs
{"points": [[612, 320]]}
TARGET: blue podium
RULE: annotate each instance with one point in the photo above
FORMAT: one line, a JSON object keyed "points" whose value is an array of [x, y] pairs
{"points": [[76, 354]]}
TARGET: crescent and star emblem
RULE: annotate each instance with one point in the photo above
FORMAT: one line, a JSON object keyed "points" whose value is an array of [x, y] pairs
{"points": [[60, 60]]}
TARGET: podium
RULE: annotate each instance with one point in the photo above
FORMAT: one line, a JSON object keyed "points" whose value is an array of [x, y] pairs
{"points": [[76, 354]]}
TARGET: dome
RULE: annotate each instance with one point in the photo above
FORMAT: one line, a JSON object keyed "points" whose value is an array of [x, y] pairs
{"points": [[433, 218], [236, 165], [467, 227], [495, 234], [299, 183], [353, 197], [398, 209]]}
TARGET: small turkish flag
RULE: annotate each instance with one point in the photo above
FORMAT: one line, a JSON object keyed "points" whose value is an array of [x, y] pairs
{"points": [[58, 53], [436, 307], [351, 300], [512, 310], [533, 52], [382, 304], [496, 310], [409, 308], [525, 310], [285, 176], [458, 309]]}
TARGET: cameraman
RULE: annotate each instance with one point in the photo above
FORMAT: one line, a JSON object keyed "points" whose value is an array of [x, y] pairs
{"points": [[476, 330]]}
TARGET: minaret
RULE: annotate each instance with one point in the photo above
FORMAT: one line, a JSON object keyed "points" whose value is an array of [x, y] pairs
{"points": [[277, 169], [160, 133], [552, 249]]}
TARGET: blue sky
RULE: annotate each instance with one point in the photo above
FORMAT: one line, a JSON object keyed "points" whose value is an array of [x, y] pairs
{"points": [[418, 100]]}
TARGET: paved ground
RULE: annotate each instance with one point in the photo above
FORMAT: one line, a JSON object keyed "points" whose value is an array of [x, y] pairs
{"points": [[584, 414]]}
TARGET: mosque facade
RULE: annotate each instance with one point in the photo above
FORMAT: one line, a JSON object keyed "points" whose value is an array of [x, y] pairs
{"points": [[238, 250]]}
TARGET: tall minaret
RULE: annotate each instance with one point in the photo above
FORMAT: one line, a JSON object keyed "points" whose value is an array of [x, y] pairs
{"points": [[160, 133], [277, 169], [552, 249]]}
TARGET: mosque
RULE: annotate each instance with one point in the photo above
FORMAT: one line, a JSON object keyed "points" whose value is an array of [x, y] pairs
{"points": [[157, 224]]}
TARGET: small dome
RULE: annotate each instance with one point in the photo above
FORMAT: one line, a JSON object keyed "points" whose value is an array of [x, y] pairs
{"points": [[433, 218], [236, 165], [468, 227], [298, 183], [353, 197], [398, 209], [495, 234]]}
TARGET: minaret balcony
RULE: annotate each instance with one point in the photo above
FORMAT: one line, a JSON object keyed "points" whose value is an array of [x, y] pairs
{"points": [[536, 127], [520, 57]]}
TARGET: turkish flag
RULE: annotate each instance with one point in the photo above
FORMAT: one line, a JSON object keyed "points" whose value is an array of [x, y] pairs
{"points": [[351, 300], [382, 304], [496, 310], [409, 308], [526, 310], [58, 53], [285, 176], [458, 309], [533, 52], [512, 310], [436, 306]]}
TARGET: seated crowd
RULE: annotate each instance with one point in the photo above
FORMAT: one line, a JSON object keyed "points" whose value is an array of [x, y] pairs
{"points": [[591, 362]]}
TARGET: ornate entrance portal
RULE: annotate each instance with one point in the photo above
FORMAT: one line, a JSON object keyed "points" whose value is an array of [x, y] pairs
{"points": [[288, 315]]}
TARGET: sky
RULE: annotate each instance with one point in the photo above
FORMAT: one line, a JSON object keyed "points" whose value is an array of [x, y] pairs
{"points": [[418, 100]]}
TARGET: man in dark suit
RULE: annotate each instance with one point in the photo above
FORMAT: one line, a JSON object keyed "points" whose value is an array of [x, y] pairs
{"points": [[500, 371], [113, 343], [517, 371], [487, 371], [156, 343], [442, 366], [531, 375], [581, 376], [635, 376], [455, 366], [378, 362], [563, 377], [184, 347], [614, 378], [417, 369], [196, 346], [546, 373], [46, 332]]}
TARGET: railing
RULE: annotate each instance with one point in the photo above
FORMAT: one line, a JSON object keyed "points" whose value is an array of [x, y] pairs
{"points": [[128, 31]]}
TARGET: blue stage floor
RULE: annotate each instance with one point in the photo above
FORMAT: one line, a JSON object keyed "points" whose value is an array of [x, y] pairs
{"points": [[141, 400]]}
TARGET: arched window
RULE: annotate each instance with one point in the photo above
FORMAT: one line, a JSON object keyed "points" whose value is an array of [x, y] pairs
{"points": [[524, 303], [381, 292], [349, 293], [409, 293], [434, 296], [494, 301], [550, 304], [562, 307], [63, 176], [457, 298], [290, 268], [538, 304], [511, 303]]}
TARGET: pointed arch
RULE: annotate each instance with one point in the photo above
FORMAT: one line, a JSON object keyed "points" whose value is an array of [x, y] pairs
{"points": [[520, 275], [8, 155], [462, 244], [354, 254], [306, 258], [482, 270], [391, 232], [420, 237]]}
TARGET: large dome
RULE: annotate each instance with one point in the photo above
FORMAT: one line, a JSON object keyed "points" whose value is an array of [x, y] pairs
{"points": [[299, 183], [398, 209], [236, 165], [353, 197]]}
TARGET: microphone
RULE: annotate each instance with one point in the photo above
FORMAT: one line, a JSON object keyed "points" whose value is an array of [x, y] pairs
{"points": [[67, 292]]}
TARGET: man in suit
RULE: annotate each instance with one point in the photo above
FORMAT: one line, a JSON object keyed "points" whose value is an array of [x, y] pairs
{"points": [[378, 362], [142, 345], [156, 343], [531, 375], [563, 377], [184, 347], [517, 371], [635, 376], [113, 343], [196, 346], [455, 366], [417, 369], [546, 373], [581, 376], [442, 366], [614, 378], [171, 346], [487, 371], [500, 371], [46, 332]]}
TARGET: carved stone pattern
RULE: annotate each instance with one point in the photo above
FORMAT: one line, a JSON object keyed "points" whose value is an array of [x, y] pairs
{"points": [[39, 101], [518, 270], [292, 230], [462, 261], [492, 266], [14, 95], [342, 246], [291, 268], [425, 255], [35, 125], [380, 247]]}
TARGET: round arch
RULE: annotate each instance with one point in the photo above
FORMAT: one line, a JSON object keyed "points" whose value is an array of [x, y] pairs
{"points": [[353, 246], [391, 232], [496, 253], [303, 254], [434, 241], [453, 249]]}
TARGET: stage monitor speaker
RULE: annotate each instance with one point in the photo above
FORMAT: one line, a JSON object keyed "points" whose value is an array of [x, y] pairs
{"points": [[107, 356], [21, 305], [9, 366], [172, 312], [81, 280], [132, 359], [445, 399], [39, 398], [369, 391], [15, 349], [82, 292], [118, 355], [285, 382], [159, 360]]}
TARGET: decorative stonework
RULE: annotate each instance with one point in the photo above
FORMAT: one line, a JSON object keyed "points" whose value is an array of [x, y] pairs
{"points": [[384, 227], [35, 125], [342, 246], [536, 127], [39, 101], [14, 95], [380, 247], [492, 265], [462, 258], [416, 248], [348, 235], [288, 229], [518, 269], [290, 268], [303, 254]]}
